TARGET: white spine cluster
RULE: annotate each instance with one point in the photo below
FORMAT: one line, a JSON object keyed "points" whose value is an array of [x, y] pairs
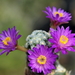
{"points": [[37, 37]]}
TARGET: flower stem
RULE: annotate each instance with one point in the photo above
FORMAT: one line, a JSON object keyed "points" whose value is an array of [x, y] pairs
{"points": [[53, 26], [21, 48]]}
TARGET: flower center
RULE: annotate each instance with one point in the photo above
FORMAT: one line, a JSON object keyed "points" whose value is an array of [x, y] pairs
{"points": [[41, 59], [63, 39], [6, 40], [60, 14]]}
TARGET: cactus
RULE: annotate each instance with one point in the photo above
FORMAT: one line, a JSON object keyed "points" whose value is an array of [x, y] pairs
{"points": [[37, 37]]}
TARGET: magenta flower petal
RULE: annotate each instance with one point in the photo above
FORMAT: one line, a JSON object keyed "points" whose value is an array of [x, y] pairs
{"points": [[8, 40], [57, 17], [62, 40], [41, 59]]}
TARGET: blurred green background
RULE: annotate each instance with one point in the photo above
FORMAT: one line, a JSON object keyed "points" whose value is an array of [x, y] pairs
{"points": [[23, 14]]}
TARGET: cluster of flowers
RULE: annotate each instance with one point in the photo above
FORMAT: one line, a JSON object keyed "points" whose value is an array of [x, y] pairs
{"points": [[41, 55]]}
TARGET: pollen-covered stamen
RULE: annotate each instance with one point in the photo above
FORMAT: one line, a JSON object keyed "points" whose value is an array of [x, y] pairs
{"points": [[63, 39], [6, 40], [41, 59], [60, 14]]}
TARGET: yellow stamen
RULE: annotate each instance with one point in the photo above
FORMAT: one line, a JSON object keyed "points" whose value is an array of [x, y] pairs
{"points": [[60, 14], [41, 59], [63, 39], [6, 40]]}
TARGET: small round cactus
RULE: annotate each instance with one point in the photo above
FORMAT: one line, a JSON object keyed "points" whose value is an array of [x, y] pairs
{"points": [[37, 37]]}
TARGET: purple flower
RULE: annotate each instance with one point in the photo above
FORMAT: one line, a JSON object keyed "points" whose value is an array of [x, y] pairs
{"points": [[62, 39], [41, 59], [8, 40], [57, 17]]}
